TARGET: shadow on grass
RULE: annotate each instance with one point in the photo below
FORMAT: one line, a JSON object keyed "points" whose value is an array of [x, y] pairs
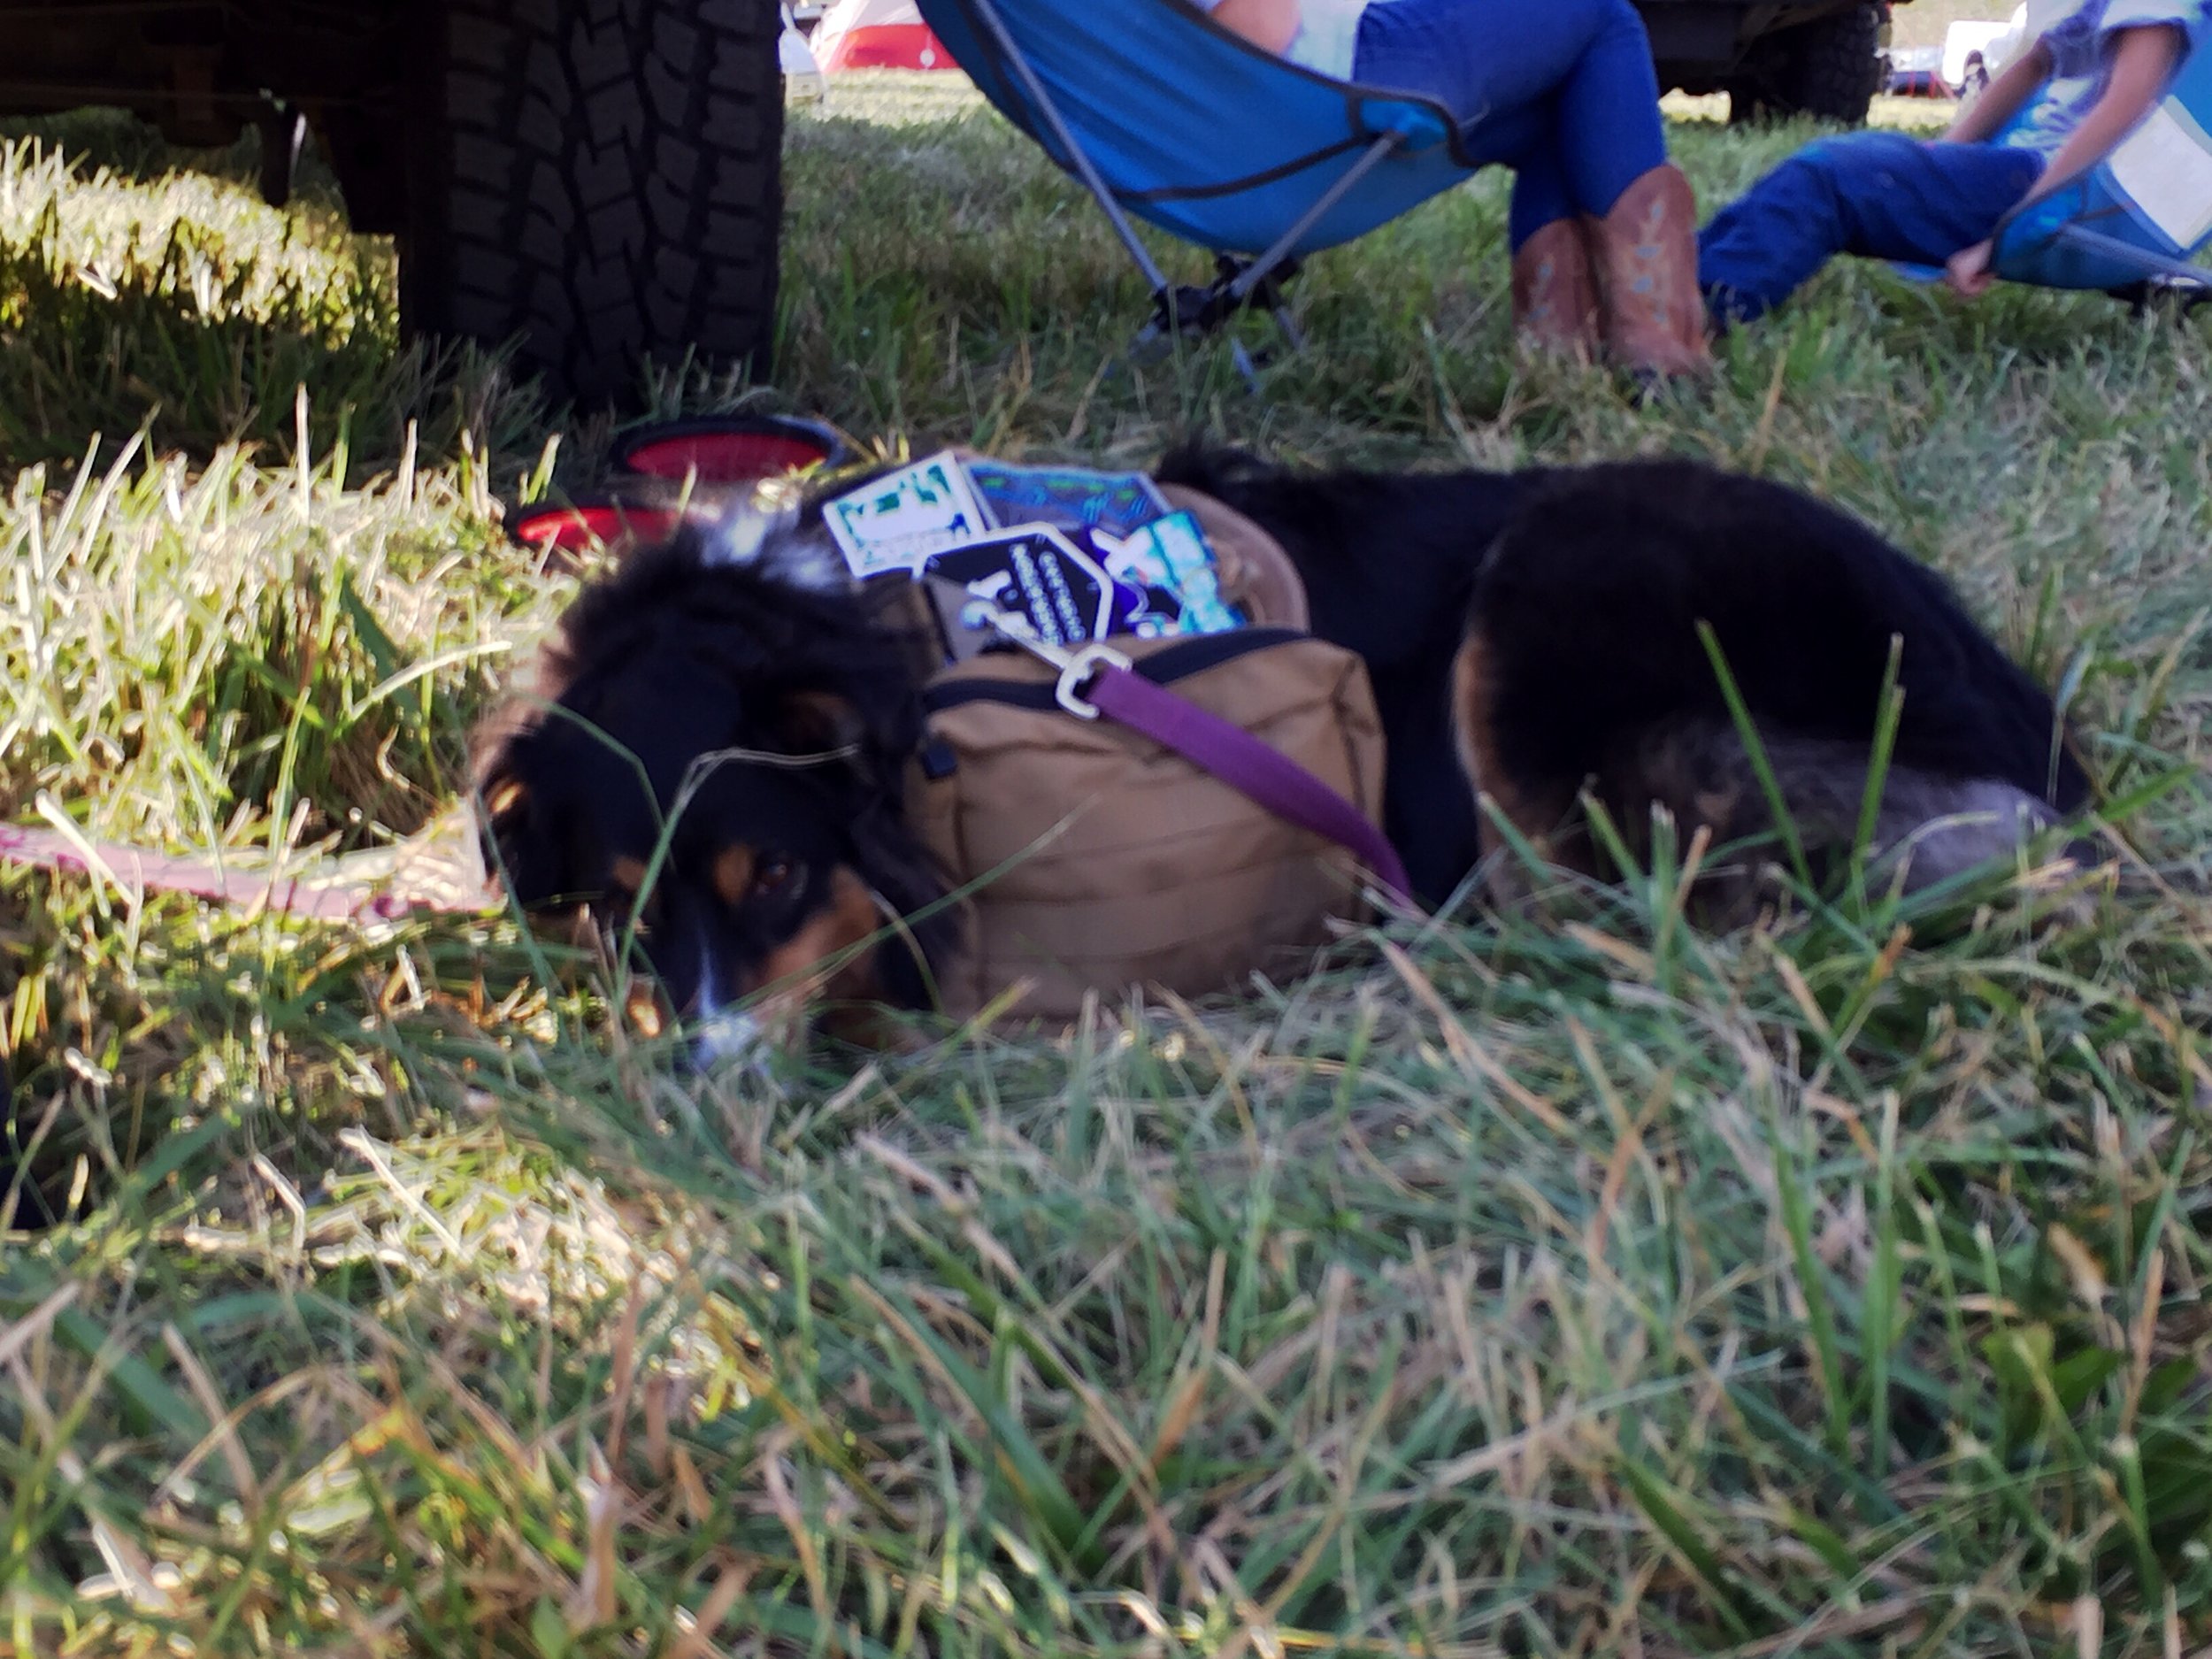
{"points": [[145, 287]]}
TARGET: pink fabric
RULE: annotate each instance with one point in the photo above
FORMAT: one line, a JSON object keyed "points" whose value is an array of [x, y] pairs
{"points": [[238, 888]]}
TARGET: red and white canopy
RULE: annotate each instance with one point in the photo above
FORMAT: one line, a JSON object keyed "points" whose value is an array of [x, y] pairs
{"points": [[878, 35]]}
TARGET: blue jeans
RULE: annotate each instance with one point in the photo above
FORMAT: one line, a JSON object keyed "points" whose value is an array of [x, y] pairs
{"points": [[1880, 195], [1575, 74]]}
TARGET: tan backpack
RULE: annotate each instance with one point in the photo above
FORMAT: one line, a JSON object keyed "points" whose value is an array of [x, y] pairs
{"points": [[1094, 858]]}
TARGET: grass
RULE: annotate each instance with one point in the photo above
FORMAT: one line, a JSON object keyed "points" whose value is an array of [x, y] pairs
{"points": [[1588, 1288]]}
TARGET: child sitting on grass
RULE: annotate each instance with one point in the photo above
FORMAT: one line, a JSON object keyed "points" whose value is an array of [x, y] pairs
{"points": [[2084, 84]]}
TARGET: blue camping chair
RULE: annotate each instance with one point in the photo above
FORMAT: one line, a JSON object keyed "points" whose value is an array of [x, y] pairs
{"points": [[1162, 113], [2132, 225]]}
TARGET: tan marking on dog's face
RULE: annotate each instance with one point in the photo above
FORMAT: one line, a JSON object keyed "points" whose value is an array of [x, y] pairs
{"points": [[643, 1005], [1471, 715], [626, 876], [734, 872], [848, 917]]}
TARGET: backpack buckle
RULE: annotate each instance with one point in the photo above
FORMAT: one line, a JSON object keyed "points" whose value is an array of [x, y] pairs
{"points": [[1077, 669], [1078, 665]]}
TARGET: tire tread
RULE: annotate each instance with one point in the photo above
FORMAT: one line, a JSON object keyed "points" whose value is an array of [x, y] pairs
{"points": [[598, 180]]}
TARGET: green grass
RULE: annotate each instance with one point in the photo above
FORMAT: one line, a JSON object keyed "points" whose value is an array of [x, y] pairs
{"points": [[1594, 1287]]}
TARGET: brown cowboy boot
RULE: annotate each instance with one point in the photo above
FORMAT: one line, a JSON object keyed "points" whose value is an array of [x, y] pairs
{"points": [[1556, 293], [1646, 256]]}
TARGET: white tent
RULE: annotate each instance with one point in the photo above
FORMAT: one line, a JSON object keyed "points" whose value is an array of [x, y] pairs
{"points": [[878, 35]]}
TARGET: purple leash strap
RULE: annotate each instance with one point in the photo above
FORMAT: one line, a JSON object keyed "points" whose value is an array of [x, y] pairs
{"points": [[1246, 765]]}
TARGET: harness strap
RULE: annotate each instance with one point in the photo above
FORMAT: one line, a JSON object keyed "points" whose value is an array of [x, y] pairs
{"points": [[1245, 763]]}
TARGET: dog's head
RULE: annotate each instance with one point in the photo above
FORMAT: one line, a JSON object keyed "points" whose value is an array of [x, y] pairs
{"points": [[714, 764]]}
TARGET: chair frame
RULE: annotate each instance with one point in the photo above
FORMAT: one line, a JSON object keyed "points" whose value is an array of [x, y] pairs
{"points": [[1185, 312]]}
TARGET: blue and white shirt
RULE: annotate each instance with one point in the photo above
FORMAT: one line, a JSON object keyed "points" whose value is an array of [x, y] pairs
{"points": [[1327, 40], [2081, 45]]}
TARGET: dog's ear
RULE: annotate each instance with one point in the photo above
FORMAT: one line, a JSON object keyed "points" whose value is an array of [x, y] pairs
{"points": [[815, 721], [882, 731]]}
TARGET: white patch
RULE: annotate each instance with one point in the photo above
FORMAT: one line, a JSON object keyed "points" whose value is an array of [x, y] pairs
{"points": [[2164, 166], [746, 529], [768, 537], [811, 561], [1965, 825], [725, 1036]]}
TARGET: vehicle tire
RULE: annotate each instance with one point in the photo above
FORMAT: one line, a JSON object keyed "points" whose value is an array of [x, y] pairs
{"points": [[1832, 67], [599, 182]]}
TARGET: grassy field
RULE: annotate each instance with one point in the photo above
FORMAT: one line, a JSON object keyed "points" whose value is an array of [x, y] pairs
{"points": [[1590, 1288]]}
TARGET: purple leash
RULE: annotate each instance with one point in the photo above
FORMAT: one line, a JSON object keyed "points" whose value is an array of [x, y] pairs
{"points": [[1239, 759]]}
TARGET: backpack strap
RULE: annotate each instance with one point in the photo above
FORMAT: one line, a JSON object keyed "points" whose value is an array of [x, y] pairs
{"points": [[1097, 680], [1245, 763]]}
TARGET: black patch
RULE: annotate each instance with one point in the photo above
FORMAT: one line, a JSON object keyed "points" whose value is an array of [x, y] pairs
{"points": [[1586, 587], [1589, 603], [1389, 562]]}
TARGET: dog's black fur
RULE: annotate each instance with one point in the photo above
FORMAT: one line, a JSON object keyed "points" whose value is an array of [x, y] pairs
{"points": [[1528, 635], [1577, 595], [807, 695]]}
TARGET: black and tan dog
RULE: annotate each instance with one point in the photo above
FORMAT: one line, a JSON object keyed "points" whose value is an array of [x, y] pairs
{"points": [[716, 750]]}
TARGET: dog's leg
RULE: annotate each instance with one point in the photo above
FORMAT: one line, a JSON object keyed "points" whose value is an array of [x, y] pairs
{"points": [[1928, 827], [1539, 813]]}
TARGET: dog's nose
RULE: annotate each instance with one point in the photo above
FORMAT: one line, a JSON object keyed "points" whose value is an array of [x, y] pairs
{"points": [[726, 1038]]}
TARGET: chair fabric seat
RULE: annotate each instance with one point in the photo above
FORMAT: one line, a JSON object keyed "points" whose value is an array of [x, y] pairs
{"points": [[1204, 134], [2142, 212]]}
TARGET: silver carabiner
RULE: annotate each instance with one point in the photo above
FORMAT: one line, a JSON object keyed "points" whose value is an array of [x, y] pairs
{"points": [[1078, 667]]}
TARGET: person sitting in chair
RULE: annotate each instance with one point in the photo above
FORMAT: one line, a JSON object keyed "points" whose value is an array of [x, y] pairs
{"points": [[1603, 226], [2085, 85]]}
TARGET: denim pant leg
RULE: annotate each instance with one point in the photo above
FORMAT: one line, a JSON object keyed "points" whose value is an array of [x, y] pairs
{"points": [[1574, 77], [1880, 195]]}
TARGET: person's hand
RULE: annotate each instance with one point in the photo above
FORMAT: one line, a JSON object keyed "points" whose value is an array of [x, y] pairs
{"points": [[1968, 270]]}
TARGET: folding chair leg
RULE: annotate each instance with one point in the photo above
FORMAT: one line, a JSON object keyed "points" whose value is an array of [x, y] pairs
{"points": [[1269, 264], [1085, 169], [1245, 366], [1178, 310]]}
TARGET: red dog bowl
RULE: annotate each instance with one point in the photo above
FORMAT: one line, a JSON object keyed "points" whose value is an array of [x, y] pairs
{"points": [[730, 448], [585, 525]]}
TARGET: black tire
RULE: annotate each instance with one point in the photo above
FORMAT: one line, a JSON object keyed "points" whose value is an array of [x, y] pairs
{"points": [[1832, 67], [599, 181], [1749, 103]]}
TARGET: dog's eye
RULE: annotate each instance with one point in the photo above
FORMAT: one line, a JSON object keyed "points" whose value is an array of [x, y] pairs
{"points": [[773, 876]]}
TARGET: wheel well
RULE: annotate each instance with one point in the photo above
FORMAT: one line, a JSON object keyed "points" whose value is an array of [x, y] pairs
{"points": [[198, 69]]}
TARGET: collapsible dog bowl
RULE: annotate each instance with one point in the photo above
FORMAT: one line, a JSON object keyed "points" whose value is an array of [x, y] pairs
{"points": [[730, 448], [584, 525]]}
